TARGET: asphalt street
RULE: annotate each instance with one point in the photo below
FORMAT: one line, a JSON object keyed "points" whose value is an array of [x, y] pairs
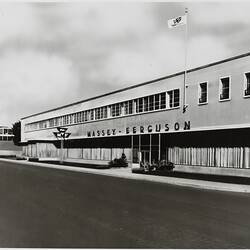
{"points": [[43, 207]]}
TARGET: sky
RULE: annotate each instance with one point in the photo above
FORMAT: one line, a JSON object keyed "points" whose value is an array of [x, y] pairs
{"points": [[56, 53]]}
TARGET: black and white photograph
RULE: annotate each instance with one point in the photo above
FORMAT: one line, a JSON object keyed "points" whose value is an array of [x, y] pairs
{"points": [[125, 124]]}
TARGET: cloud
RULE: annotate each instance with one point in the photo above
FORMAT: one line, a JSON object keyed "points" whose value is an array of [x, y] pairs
{"points": [[56, 53], [16, 20], [219, 13], [206, 49], [33, 81]]}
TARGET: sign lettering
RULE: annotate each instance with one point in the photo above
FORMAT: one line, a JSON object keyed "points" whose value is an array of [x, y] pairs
{"points": [[142, 129]]}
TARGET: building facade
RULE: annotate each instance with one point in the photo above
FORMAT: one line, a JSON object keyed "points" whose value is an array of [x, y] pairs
{"points": [[147, 123], [7, 147]]}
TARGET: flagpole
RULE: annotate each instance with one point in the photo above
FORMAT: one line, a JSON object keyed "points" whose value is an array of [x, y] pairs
{"points": [[185, 69]]}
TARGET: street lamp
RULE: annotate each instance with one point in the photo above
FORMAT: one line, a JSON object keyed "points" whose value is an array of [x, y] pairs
{"points": [[61, 135]]}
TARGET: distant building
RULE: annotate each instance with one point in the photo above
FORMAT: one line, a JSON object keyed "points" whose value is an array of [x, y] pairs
{"points": [[7, 147], [6, 134], [147, 123]]}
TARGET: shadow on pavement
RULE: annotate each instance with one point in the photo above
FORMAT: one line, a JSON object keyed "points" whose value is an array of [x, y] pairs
{"points": [[197, 176]]}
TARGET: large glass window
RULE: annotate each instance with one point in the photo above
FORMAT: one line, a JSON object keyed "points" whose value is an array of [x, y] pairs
{"points": [[145, 100], [91, 114], [101, 113], [98, 113], [173, 98], [202, 93], [224, 88], [140, 105], [115, 109], [85, 116], [128, 107], [157, 101], [163, 100], [247, 84], [151, 103]]}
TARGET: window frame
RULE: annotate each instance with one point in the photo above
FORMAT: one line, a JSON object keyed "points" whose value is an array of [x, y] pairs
{"points": [[245, 85], [168, 99], [199, 93], [220, 89]]}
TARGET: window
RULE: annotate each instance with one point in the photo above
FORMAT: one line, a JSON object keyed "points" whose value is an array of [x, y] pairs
{"points": [[128, 106], [140, 105], [67, 119], [224, 88], [50, 122], [101, 113], [163, 100], [91, 113], [73, 118], [116, 110], [202, 93], [98, 113], [157, 101], [60, 121], [105, 112], [151, 103], [173, 98], [85, 116], [145, 104], [247, 84]]}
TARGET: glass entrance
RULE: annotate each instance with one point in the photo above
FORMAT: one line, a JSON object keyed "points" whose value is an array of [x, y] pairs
{"points": [[145, 156]]}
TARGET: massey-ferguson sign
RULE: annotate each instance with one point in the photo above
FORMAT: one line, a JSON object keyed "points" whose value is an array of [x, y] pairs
{"points": [[142, 129]]}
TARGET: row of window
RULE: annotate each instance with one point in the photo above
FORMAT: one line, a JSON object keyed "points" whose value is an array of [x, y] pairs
{"points": [[169, 99], [5, 131], [6, 138], [224, 89]]}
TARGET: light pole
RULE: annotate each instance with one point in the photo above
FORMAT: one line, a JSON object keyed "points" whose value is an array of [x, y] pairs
{"points": [[61, 135]]}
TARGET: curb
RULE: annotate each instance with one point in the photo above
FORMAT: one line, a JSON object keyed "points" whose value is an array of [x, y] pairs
{"points": [[199, 184]]}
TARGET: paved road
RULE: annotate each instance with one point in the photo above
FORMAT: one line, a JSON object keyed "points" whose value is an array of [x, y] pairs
{"points": [[43, 207]]}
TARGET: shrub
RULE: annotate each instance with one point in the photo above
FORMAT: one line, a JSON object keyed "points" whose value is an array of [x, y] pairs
{"points": [[33, 159], [119, 162], [166, 165], [18, 157]]}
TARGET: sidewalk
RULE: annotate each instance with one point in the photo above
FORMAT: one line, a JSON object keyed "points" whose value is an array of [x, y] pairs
{"points": [[127, 174]]}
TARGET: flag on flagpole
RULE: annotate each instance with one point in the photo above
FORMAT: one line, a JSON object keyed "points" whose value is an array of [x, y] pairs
{"points": [[178, 21]]}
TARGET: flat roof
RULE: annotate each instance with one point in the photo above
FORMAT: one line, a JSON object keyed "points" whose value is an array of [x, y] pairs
{"points": [[143, 83]]}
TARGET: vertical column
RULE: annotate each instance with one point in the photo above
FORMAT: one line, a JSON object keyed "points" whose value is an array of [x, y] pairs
{"points": [[61, 153], [159, 148], [132, 142], [139, 150], [150, 148]]}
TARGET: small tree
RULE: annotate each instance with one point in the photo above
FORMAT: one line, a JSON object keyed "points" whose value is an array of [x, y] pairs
{"points": [[16, 130]]}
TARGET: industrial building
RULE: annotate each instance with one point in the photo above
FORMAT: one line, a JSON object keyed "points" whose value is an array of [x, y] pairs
{"points": [[146, 122], [7, 147]]}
